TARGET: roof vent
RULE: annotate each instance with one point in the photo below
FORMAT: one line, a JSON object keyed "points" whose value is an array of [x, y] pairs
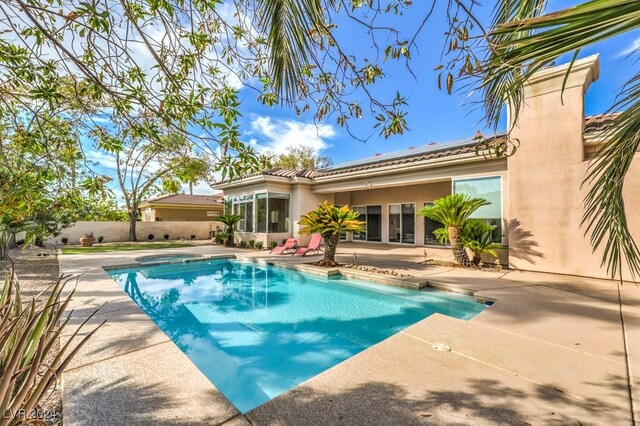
{"points": [[432, 143], [412, 147], [378, 154]]}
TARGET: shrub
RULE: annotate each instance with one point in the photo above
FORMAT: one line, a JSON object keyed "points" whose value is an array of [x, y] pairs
{"points": [[258, 245], [273, 244], [29, 332], [65, 240], [166, 236], [220, 237], [192, 236], [151, 236], [100, 239], [284, 240], [252, 243], [243, 244]]}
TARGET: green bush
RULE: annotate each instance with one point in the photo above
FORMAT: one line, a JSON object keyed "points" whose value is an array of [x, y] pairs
{"points": [[151, 236], [220, 237], [252, 243], [273, 244], [192, 236], [100, 239], [166, 236], [65, 240], [258, 245], [243, 244]]}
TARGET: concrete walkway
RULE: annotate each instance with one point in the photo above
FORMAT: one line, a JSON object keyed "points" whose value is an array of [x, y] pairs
{"points": [[551, 350]]}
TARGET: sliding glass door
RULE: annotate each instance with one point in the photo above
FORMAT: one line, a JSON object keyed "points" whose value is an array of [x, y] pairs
{"points": [[372, 217], [402, 223]]}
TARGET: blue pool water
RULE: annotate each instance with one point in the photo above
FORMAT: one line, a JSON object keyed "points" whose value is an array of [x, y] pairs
{"points": [[257, 331]]}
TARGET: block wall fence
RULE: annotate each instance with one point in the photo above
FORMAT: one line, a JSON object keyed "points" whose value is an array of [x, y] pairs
{"points": [[114, 231]]}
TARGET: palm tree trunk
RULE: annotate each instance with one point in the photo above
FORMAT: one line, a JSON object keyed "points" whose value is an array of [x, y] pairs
{"points": [[330, 246], [459, 255]]}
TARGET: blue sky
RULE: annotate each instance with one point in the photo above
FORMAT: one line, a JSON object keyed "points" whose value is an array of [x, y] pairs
{"points": [[434, 116]]}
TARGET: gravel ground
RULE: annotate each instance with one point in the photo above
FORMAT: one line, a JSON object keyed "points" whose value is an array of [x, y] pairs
{"points": [[37, 268]]}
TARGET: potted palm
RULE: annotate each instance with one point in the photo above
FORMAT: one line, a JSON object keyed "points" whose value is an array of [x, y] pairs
{"points": [[453, 211], [87, 240], [329, 221]]}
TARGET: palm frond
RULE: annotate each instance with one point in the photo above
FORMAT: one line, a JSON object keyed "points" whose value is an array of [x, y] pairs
{"points": [[291, 24], [453, 210], [520, 47], [605, 215]]}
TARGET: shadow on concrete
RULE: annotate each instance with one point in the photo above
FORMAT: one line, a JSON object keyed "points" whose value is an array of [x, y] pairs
{"points": [[379, 403], [136, 404]]}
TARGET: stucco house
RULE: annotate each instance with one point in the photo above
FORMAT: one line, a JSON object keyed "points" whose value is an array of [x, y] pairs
{"points": [[182, 207], [536, 195]]}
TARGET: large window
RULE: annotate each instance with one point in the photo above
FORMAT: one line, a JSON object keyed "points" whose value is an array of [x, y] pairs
{"points": [[402, 223], [262, 212], [278, 216], [489, 188], [243, 206], [372, 216], [430, 226]]}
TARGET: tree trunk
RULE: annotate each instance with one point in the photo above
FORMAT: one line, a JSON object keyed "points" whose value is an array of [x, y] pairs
{"points": [[459, 255], [230, 238], [190, 188], [132, 226], [330, 246]]}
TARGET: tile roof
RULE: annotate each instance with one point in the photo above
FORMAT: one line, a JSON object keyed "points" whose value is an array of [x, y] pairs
{"points": [[413, 154], [599, 122], [201, 200]]}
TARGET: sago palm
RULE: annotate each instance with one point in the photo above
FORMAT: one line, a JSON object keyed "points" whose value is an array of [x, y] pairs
{"points": [[229, 220], [453, 211], [329, 221]]}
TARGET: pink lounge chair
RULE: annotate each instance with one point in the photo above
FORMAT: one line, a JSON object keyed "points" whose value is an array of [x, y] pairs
{"points": [[290, 244], [314, 245]]}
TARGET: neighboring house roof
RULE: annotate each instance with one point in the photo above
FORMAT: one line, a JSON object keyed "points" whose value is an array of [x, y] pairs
{"points": [[599, 122], [430, 151], [186, 199]]}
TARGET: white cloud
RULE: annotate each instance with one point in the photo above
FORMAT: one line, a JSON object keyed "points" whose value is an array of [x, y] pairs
{"points": [[107, 161], [632, 47], [278, 135], [201, 188]]}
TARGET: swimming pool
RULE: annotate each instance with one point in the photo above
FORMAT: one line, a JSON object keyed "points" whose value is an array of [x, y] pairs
{"points": [[256, 331]]}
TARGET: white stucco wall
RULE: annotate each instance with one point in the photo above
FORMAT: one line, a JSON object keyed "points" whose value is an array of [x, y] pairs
{"points": [[119, 231]]}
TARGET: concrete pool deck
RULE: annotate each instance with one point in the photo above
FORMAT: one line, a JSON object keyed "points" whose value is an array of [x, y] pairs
{"points": [[551, 350]]}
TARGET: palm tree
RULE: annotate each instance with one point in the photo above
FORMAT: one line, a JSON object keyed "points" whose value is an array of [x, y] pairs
{"points": [[329, 221], [229, 220], [453, 211]]}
